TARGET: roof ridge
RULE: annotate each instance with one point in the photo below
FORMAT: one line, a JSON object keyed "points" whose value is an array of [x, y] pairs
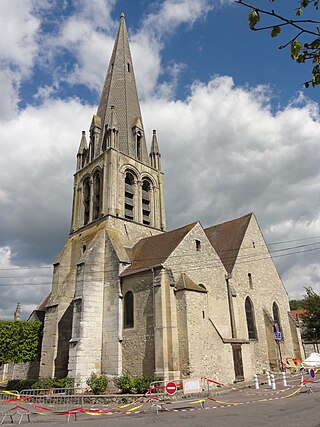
{"points": [[230, 220]]}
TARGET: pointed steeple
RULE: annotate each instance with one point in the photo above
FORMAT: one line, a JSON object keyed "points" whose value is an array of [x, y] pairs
{"points": [[82, 151], [120, 91], [155, 152], [17, 313], [83, 143]]}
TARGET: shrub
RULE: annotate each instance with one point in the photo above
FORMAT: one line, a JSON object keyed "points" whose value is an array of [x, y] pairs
{"points": [[130, 384], [19, 340], [143, 383], [45, 383], [48, 383], [19, 385], [97, 383], [125, 382]]}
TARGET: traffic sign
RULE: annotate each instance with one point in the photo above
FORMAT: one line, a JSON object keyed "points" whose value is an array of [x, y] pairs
{"points": [[278, 336], [171, 387]]}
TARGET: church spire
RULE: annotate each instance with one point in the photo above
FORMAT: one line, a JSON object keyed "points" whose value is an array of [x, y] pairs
{"points": [[155, 152], [120, 92]]}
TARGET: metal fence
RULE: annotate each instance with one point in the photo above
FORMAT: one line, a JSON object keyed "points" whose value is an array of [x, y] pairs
{"points": [[175, 389]]}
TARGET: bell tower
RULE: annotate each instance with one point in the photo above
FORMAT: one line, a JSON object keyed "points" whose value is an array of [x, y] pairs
{"points": [[116, 176]]}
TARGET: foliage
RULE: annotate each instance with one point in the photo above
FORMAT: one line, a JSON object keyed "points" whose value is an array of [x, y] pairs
{"points": [[19, 385], [19, 340], [304, 39], [130, 384], [295, 304], [53, 383], [143, 383], [97, 383], [311, 321], [125, 382], [46, 383]]}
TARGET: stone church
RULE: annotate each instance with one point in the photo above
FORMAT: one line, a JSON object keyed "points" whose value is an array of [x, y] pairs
{"points": [[127, 295]]}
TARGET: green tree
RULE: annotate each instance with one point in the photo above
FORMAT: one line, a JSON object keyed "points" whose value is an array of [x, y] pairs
{"points": [[295, 304], [19, 341], [311, 320], [302, 33]]}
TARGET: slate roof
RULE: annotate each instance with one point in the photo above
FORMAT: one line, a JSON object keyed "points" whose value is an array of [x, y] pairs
{"points": [[119, 94], [153, 251], [226, 238]]}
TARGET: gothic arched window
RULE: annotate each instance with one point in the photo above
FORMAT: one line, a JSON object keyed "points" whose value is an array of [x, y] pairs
{"points": [[96, 194], [128, 311], [250, 319], [86, 201], [129, 196], [146, 210], [276, 317]]}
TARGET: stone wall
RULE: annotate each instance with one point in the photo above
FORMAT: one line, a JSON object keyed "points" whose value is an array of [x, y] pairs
{"points": [[19, 371], [138, 347]]}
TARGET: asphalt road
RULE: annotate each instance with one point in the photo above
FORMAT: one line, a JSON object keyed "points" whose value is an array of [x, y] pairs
{"points": [[243, 408]]}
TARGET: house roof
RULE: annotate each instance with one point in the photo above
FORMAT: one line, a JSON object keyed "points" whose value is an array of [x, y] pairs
{"points": [[298, 314], [154, 250], [226, 238]]}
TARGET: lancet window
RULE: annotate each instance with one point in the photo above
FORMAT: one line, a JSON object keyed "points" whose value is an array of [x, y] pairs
{"points": [[276, 317], [96, 194], [86, 200], [128, 310], [250, 319], [146, 207], [129, 196]]}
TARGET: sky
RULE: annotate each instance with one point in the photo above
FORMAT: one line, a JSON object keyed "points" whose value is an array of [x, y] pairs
{"points": [[237, 130]]}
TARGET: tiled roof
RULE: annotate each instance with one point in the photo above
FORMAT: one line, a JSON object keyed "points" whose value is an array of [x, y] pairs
{"points": [[226, 238], [153, 251], [296, 314]]}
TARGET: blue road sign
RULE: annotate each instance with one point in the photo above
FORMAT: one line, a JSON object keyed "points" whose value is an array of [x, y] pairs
{"points": [[277, 336]]}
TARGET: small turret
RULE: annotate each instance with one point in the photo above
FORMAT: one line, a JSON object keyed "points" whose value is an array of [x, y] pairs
{"points": [[95, 130], [17, 313], [82, 151], [155, 152]]}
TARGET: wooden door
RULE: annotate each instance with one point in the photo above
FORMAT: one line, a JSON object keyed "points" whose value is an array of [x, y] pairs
{"points": [[237, 362]]}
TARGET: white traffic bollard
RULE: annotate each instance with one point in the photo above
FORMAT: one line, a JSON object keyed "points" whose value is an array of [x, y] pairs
{"points": [[284, 378], [268, 379], [256, 381], [273, 382]]}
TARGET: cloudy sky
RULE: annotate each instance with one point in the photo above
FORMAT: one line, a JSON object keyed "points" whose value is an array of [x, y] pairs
{"points": [[237, 130]]}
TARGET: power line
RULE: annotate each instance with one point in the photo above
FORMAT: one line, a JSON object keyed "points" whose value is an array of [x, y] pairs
{"points": [[175, 256], [194, 268]]}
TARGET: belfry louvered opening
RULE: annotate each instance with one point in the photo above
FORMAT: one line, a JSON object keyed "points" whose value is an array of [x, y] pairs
{"points": [[97, 194], [146, 209], [129, 196], [86, 201]]}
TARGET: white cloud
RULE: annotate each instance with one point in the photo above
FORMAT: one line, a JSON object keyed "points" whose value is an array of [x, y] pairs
{"points": [[225, 152], [18, 48], [24, 286], [172, 13], [89, 35]]}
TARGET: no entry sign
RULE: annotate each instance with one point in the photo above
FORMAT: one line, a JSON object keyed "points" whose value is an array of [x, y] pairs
{"points": [[171, 387]]}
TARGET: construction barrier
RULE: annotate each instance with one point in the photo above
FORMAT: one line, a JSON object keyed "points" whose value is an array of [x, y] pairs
{"points": [[177, 395]]}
